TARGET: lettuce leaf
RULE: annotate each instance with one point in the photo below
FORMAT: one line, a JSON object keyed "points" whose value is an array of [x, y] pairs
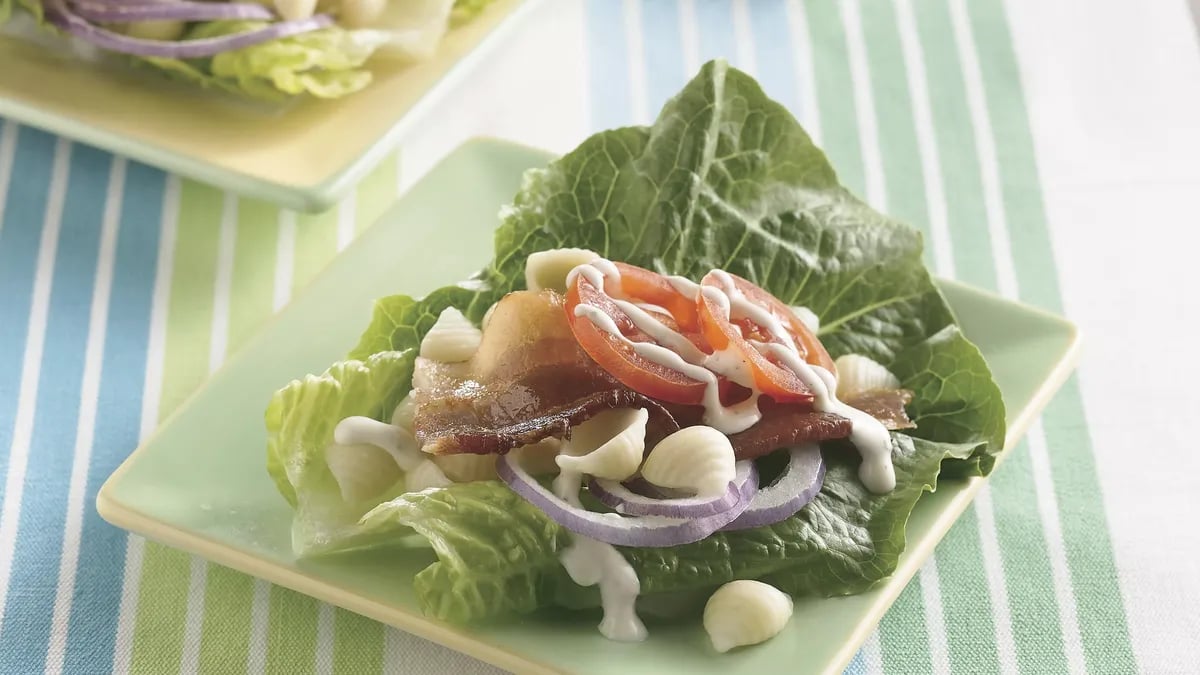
{"points": [[465, 10], [327, 63], [300, 420], [724, 178]]}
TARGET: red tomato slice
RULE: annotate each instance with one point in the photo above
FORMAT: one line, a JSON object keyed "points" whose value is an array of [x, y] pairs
{"points": [[723, 332], [618, 358], [655, 289]]}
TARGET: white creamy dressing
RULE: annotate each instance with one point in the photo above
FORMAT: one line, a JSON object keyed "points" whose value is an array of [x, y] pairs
{"points": [[395, 440], [867, 434], [675, 351], [589, 562]]}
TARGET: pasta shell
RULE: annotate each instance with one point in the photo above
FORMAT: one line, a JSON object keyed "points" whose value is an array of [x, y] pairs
{"points": [[539, 458], [404, 413], [698, 458], [424, 476], [452, 339], [362, 471], [745, 612], [548, 269], [857, 373], [360, 13], [609, 445], [465, 468]]}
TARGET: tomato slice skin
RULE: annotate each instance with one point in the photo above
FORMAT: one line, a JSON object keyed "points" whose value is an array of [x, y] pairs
{"points": [[704, 321], [620, 359], [725, 332], [655, 289]]}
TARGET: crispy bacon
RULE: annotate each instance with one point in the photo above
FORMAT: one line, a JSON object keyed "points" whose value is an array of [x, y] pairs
{"points": [[530, 380]]}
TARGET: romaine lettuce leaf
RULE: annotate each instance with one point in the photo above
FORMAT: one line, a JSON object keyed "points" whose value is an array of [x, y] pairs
{"points": [[300, 421], [465, 10], [724, 178], [327, 63]]}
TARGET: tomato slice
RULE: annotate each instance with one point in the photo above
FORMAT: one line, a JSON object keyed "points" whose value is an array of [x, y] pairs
{"points": [[725, 332], [619, 358], [655, 289]]}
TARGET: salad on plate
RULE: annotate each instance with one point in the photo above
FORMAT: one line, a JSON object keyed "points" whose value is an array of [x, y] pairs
{"points": [[699, 377], [265, 49]]}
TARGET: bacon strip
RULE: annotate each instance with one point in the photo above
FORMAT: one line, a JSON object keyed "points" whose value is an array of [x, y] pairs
{"points": [[530, 380]]}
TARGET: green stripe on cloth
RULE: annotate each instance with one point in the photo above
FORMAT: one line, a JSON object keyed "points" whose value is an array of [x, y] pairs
{"points": [[1100, 608], [358, 644], [316, 244], [225, 646], [163, 589], [1036, 632], [292, 636], [835, 102], [955, 145], [902, 655], [898, 148]]}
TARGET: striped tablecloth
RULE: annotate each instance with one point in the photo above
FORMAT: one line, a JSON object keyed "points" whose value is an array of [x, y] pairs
{"points": [[1047, 149]]}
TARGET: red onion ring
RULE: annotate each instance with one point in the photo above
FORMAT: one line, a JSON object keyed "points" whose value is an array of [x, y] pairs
{"points": [[62, 16], [798, 485], [124, 12], [610, 528]]}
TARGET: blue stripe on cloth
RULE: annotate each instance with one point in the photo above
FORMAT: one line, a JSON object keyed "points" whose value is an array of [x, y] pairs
{"points": [[30, 607], [98, 582], [608, 65], [857, 665], [20, 236], [666, 72], [714, 20], [773, 52]]}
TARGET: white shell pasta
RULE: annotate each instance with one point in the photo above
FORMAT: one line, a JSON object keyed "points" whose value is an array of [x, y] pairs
{"points": [[360, 13], [424, 476], [537, 459], [452, 339], [698, 458], [857, 373], [294, 10], [404, 413], [467, 467], [548, 269], [397, 441], [609, 445], [745, 613], [155, 30], [362, 471], [807, 317]]}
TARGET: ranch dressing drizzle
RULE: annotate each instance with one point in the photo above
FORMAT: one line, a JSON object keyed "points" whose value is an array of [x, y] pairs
{"points": [[675, 351], [589, 562], [397, 441]]}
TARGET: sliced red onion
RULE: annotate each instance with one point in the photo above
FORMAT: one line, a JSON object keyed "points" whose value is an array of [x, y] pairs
{"points": [[611, 528], [799, 483], [184, 10], [60, 15], [628, 502]]}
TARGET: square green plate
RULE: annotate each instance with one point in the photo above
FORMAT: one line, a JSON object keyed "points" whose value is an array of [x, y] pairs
{"points": [[200, 484], [305, 155]]}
